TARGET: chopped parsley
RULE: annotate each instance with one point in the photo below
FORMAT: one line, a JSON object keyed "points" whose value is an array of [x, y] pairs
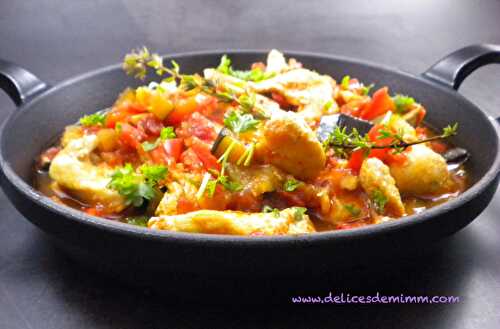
{"points": [[345, 82], [138, 221], [291, 185], [239, 123], [327, 105], [379, 201], [96, 119], [153, 173], [402, 103], [299, 213], [255, 74], [365, 90], [353, 210], [166, 133], [268, 209], [137, 187]]}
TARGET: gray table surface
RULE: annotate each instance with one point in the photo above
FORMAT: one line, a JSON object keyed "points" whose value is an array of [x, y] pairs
{"points": [[40, 288]]}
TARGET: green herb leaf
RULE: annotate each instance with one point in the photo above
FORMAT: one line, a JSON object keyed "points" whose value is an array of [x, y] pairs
{"points": [[291, 185], [267, 209], [403, 103], [353, 210], [229, 185], [167, 133], [238, 122], [149, 146], [450, 130], [96, 119], [252, 75], [299, 213], [345, 82], [131, 185], [365, 90], [138, 220], [153, 173], [379, 200]]}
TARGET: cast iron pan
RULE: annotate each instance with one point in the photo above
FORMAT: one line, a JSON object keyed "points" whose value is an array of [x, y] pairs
{"points": [[146, 256]]}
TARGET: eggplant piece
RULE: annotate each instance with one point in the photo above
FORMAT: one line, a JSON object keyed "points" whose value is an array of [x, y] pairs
{"points": [[223, 141], [329, 122], [456, 156]]}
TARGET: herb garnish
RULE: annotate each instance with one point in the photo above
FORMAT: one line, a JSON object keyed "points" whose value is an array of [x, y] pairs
{"points": [[379, 201], [340, 140], [166, 133], [239, 123], [291, 185], [255, 74], [137, 62], [137, 187], [299, 213], [268, 209], [345, 82], [95, 119], [353, 210], [402, 103]]}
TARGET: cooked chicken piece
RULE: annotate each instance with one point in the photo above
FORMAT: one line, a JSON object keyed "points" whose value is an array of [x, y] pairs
{"points": [[264, 104], [276, 62], [307, 90], [290, 144], [74, 171], [175, 190], [257, 179], [287, 221], [375, 178], [71, 133], [425, 172], [399, 125]]}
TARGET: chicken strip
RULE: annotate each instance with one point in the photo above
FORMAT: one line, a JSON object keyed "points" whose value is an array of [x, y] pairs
{"points": [[424, 173], [73, 170], [307, 90], [378, 183], [291, 145], [287, 221]]}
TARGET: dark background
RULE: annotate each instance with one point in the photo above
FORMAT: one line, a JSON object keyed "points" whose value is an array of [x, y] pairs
{"points": [[40, 288]]}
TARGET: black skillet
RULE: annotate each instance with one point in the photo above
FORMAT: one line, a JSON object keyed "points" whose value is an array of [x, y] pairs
{"points": [[129, 251]]}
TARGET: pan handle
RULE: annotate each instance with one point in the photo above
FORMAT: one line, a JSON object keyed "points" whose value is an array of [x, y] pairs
{"points": [[20, 84], [452, 70]]}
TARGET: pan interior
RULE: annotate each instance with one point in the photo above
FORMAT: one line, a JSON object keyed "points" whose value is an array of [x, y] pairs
{"points": [[37, 125]]}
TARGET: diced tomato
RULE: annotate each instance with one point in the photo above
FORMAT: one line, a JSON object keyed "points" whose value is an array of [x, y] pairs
{"points": [[387, 155], [184, 205], [293, 199], [159, 156], [420, 116], [198, 126], [259, 65], [381, 103], [438, 147], [173, 148], [356, 160], [183, 108], [202, 150], [281, 100], [150, 125], [97, 211], [131, 136], [121, 113], [191, 160]]}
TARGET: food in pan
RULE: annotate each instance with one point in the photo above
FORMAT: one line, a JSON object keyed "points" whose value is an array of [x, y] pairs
{"points": [[277, 149]]}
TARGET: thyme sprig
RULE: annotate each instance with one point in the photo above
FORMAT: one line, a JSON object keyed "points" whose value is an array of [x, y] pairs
{"points": [[139, 61], [340, 140]]}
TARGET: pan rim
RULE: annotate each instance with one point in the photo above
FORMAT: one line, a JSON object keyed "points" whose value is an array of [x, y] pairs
{"points": [[114, 227]]}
